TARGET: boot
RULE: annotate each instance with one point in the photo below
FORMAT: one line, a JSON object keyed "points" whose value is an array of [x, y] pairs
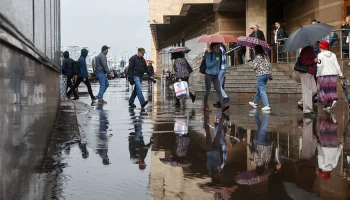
{"points": [[224, 107], [217, 104], [206, 108], [193, 97]]}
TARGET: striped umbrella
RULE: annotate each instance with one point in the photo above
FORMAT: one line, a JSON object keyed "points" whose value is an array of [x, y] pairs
{"points": [[252, 42]]}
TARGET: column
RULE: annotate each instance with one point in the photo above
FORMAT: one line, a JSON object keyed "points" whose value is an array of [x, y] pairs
{"points": [[156, 58], [256, 14]]}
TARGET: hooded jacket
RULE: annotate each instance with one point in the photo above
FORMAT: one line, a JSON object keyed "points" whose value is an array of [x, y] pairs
{"points": [[328, 64], [67, 64], [82, 64], [213, 65]]}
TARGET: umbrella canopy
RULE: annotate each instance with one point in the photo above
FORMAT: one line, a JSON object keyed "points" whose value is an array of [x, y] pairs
{"points": [[217, 38], [252, 42], [251, 177], [306, 36], [175, 50]]}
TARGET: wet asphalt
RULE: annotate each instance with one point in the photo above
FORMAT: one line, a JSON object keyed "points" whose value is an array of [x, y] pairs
{"points": [[168, 152]]}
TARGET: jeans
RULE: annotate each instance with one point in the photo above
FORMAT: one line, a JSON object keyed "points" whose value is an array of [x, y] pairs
{"points": [[102, 78], [208, 80], [221, 80], [137, 91], [261, 90], [76, 85], [263, 138]]}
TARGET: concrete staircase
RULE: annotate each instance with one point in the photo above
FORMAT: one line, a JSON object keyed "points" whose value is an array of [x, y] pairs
{"points": [[241, 82]]}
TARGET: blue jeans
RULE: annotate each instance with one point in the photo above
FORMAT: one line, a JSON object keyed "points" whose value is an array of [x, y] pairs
{"points": [[221, 79], [263, 138], [102, 78], [137, 91], [261, 90]]}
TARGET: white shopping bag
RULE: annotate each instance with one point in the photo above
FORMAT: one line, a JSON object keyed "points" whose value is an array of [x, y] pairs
{"points": [[180, 126], [181, 90]]}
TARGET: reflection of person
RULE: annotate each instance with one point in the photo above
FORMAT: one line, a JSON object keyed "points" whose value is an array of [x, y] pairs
{"points": [[261, 144], [329, 148], [345, 39], [102, 142], [216, 148], [137, 147]]}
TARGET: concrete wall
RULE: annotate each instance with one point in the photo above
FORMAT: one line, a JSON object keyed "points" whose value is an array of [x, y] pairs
{"points": [[29, 88]]}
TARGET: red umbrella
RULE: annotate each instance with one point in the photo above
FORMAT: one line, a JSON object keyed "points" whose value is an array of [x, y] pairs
{"points": [[217, 38], [252, 42], [251, 177]]}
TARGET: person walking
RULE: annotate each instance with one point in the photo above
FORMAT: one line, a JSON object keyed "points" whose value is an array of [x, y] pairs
{"points": [[308, 84], [83, 76], [67, 70], [251, 50], [262, 69], [280, 34], [328, 69], [137, 68], [181, 72], [222, 71], [212, 60], [345, 36], [101, 71]]}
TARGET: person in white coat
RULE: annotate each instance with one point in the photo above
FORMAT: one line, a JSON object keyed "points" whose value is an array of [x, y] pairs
{"points": [[328, 70]]}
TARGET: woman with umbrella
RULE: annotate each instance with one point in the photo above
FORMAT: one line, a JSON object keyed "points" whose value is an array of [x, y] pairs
{"points": [[263, 70], [328, 69], [182, 71]]}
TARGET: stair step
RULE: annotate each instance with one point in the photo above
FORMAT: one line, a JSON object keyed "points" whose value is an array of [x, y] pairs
{"points": [[253, 85], [292, 90], [253, 77], [247, 70], [242, 73], [241, 81]]}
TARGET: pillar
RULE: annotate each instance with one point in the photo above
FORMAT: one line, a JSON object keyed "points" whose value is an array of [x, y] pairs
{"points": [[256, 14], [156, 58]]}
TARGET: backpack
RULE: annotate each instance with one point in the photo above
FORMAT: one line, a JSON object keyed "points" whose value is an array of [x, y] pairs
{"points": [[203, 66], [76, 68]]}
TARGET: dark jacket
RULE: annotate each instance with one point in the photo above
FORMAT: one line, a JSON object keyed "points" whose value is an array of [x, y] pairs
{"points": [[67, 65], [82, 64], [138, 66], [281, 33], [101, 64], [260, 35], [151, 68], [307, 58]]}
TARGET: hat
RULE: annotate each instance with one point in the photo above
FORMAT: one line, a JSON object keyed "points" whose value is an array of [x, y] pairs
{"points": [[324, 44], [105, 48], [142, 50], [325, 175]]}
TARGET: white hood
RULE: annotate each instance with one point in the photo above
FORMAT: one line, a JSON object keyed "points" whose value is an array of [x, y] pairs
{"points": [[328, 64]]}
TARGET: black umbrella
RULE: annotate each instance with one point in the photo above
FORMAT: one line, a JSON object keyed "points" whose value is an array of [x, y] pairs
{"points": [[306, 36]]}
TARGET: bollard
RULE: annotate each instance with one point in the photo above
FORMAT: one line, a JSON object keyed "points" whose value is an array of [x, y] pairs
{"points": [[63, 87]]}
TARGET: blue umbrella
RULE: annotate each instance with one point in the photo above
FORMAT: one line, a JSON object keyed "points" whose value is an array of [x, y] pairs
{"points": [[306, 36]]}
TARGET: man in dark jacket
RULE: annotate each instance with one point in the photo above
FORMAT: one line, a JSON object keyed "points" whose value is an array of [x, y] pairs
{"points": [[67, 70], [137, 67], [251, 50], [101, 71], [280, 34], [258, 33], [83, 76]]}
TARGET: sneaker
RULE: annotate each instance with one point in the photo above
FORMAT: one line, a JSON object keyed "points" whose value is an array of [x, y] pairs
{"points": [[265, 112], [217, 104], [333, 118], [314, 98], [76, 98], [224, 107], [93, 98], [253, 104], [144, 104], [226, 100], [266, 108], [206, 109], [132, 105], [102, 101], [334, 103]]}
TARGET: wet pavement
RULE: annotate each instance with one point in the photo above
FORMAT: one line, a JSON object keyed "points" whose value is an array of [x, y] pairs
{"points": [[167, 152]]}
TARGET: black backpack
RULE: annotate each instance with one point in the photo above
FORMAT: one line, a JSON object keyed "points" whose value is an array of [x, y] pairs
{"points": [[76, 68], [203, 66]]}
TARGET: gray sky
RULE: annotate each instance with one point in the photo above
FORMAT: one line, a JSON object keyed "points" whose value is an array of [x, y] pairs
{"points": [[120, 24]]}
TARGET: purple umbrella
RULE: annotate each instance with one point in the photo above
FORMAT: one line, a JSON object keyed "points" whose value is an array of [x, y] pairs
{"points": [[252, 42], [251, 177]]}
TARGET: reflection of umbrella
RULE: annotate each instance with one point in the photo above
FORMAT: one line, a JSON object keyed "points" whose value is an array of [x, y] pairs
{"points": [[174, 163], [175, 50], [251, 177], [252, 42], [306, 36], [217, 38]]}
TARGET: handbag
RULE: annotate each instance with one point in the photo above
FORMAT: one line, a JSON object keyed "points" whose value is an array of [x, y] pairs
{"points": [[189, 68], [300, 68]]}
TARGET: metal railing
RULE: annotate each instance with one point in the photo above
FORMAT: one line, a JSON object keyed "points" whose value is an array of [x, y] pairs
{"points": [[339, 45]]}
